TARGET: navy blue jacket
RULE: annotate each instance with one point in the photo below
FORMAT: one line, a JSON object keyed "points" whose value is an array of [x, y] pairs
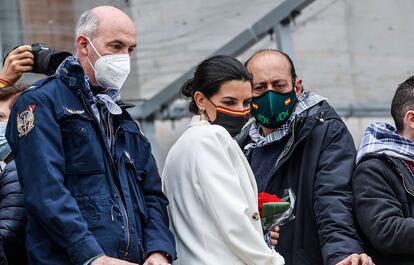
{"points": [[316, 162], [83, 200]]}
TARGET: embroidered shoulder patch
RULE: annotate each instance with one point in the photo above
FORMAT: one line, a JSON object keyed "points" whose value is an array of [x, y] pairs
{"points": [[26, 120]]}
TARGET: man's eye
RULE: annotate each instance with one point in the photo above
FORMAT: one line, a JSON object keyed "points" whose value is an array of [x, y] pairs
{"points": [[259, 88], [279, 85], [115, 46], [246, 103]]}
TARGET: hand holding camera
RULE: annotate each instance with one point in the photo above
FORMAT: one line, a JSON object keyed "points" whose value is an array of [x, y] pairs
{"points": [[36, 58], [17, 62]]}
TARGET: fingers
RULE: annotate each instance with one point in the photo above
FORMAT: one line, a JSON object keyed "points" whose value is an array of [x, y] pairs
{"points": [[22, 59], [23, 69], [21, 55], [355, 259], [155, 262], [122, 262], [23, 65], [19, 61], [152, 262], [276, 229], [157, 258], [366, 260], [21, 49], [347, 261], [105, 260], [274, 235]]}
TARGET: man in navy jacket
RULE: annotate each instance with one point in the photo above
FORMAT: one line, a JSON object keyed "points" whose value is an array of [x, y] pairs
{"points": [[90, 183]]}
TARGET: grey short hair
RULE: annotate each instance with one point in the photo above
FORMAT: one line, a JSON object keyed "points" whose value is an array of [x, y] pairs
{"points": [[87, 24]]}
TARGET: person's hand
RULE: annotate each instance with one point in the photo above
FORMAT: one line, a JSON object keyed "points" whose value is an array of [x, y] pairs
{"points": [[18, 61], [157, 259], [105, 260], [274, 236], [355, 259]]}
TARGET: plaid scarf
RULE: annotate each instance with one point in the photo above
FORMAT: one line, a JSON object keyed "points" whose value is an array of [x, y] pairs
{"points": [[71, 74], [382, 138], [305, 101]]}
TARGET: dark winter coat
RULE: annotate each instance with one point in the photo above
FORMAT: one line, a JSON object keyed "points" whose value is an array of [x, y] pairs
{"points": [[384, 205], [12, 218], [316, 162]]}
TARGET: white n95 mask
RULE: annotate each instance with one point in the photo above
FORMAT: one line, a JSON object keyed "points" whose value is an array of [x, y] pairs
{"points": [[111, 70]]}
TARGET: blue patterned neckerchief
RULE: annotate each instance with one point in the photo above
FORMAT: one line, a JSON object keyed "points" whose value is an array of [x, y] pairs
{"points": [[71, 73], [382, 138], [305, 101]]}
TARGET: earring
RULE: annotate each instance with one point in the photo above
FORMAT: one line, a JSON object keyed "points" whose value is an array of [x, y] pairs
{"points": [[202, 114]]}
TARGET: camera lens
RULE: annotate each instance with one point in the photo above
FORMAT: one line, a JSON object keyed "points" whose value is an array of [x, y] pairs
{"points": [[46, 61]]}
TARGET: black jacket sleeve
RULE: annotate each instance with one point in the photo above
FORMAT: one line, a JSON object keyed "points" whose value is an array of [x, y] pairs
{"points": [[333, 197], [12, 214], [3, 258], [378, 210]]}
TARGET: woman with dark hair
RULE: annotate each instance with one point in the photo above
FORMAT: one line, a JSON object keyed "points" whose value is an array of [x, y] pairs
{"points": [[212, 191]]}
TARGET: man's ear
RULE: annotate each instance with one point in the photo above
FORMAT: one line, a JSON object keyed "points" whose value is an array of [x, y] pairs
{"points": [[409, 120], [200, 100], [298, 87], [82, 44]]}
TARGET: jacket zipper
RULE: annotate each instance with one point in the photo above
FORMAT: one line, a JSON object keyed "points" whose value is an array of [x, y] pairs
{"points": [[288, 147], [403, 179], [116, 173], [405, 186], [112, 145], [292, 139]]}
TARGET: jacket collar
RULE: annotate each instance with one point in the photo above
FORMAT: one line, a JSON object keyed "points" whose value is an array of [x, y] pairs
{"points": [[71, 73], [383, 138], [304, 125], [196, 120], [399, 166]]}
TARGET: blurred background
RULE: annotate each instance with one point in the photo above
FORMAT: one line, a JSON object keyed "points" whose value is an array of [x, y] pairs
{"points": [[355, 53]]}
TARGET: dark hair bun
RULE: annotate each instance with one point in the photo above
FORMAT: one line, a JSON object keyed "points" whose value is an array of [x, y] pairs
{"points": [[210, 74], [187, 88]]}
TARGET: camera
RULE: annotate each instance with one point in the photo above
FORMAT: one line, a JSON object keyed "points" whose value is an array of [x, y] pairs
{"points": [[46, 61]]}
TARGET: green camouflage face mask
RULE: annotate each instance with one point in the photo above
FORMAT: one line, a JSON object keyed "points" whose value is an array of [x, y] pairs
{"points": [[273, 109]]}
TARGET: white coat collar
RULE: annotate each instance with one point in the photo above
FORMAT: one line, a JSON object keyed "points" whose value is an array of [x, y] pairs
{"points": [[197, 121]]}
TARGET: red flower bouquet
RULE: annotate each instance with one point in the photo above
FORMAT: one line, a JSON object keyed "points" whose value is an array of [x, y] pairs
{"points": [[265, 198], [275, 211]]}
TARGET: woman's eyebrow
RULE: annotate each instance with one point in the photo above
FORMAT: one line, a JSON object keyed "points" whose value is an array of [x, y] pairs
{"points": [[229, 97]]}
